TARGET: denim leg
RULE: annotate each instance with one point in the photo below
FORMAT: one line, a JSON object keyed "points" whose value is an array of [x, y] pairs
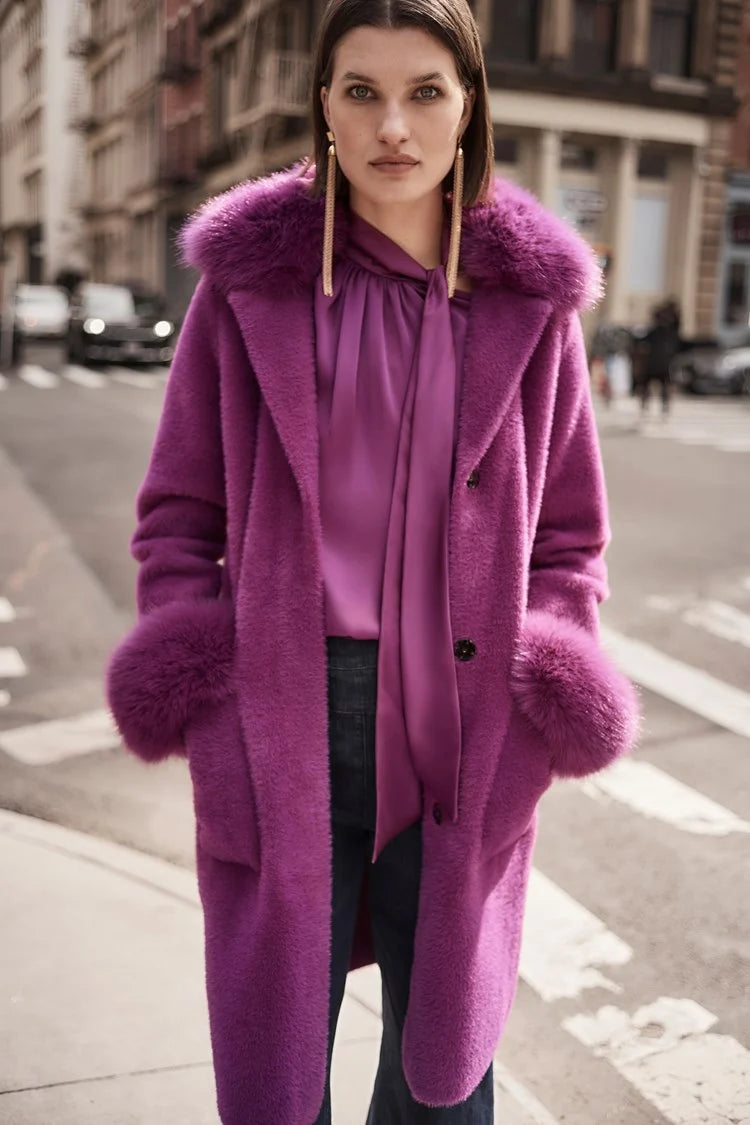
{"points": [[349, 858], [349, 694], [394, 901]]}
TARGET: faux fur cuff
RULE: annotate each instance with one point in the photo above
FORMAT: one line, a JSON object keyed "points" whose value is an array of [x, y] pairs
{"points": [[584, 707], [177, 656]]}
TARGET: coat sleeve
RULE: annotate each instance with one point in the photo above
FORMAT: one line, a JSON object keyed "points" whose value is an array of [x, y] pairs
{"points": [[562, 680], [180, 652]]}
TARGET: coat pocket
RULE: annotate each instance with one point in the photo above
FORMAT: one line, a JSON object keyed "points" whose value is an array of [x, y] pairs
{"points": [[222, 790], [523, 774]]}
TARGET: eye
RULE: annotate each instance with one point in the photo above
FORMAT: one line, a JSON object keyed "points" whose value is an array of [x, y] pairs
{"points": [[354, 92], [434, 90]]}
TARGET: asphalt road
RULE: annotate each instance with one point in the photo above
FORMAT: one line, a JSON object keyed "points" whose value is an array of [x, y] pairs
{"points": [[639, 914]]}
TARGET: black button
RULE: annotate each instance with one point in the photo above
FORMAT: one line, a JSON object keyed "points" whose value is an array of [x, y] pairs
{"points": [[465, 650], [437, 814], [473, 481]]}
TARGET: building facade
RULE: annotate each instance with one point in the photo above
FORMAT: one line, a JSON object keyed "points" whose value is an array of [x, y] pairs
{"points": [[618, 115], [40, 234]]}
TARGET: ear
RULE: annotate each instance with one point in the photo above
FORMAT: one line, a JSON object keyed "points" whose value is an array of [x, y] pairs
{"points": [[324, 100], [470, 99]]}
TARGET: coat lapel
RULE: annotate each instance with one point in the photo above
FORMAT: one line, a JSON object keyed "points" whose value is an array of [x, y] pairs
{"points": [[279, 336], [503, 332]]}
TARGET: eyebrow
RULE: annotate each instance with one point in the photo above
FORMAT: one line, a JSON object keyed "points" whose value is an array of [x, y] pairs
{"points": [[351, 76]]}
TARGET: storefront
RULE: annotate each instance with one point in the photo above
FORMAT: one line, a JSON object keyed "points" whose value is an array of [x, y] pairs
{"points": [[734, 295]]}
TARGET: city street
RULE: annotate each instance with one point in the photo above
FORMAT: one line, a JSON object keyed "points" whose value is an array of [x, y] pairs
{"points": [[632, 1005]]}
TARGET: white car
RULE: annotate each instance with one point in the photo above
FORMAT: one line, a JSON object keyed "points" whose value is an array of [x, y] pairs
{"points": [[40, 312], [712, 370]]}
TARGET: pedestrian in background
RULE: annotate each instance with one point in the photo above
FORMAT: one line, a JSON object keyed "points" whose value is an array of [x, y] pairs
{"points": [[371, 543], [659, 347]]}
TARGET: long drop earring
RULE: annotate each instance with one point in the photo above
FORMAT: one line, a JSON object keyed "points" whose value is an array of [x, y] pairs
{"points": [[454, 253], [330, 212]]}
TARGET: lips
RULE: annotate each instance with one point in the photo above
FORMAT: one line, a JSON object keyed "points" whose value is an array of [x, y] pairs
{"points": [[408, 161]]}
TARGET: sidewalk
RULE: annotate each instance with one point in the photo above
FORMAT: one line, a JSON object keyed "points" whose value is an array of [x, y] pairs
{"points": [[101, 991]]}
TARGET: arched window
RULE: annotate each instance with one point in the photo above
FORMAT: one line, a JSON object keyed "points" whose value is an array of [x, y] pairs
{"points": [[595, 36], [672, 30]]}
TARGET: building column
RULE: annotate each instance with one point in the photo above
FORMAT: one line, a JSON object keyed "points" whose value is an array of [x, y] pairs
{"points": [[623, 189], [548, 167], [634, 36], [704, 40], [688, 295], [556, 30]]}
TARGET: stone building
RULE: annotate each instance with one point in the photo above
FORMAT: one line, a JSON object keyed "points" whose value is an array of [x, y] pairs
{"points": [[618, 114], [116, 108], [39, 232]]}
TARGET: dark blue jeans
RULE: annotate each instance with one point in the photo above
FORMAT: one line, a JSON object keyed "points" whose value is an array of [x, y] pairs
{"points": [[393, 892]]}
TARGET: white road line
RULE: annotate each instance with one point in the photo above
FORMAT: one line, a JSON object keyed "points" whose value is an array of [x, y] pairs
{"points": [[689, 687], [564, 944], [665, 1051], [3, 382], [38, 377], [654, 794], [531, 1105], [84, 377], [7, 612], [41, 744], [721, 620], [11, 664], [4, 698]]}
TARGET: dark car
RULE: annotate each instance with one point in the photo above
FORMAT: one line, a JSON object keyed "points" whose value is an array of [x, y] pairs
{"points": [[106, 323]]}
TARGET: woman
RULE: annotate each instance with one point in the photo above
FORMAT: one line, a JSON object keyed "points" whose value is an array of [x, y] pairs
{"points": [[397, 466]]}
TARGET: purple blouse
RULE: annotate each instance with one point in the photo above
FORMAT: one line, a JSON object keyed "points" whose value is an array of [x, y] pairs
{"points": [[390, 347]]}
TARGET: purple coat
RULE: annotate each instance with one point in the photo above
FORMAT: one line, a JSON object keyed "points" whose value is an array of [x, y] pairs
{"points": [[228, 660]]}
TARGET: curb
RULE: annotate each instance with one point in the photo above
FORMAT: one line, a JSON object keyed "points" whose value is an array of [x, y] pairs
{"points": [[157, 874]]}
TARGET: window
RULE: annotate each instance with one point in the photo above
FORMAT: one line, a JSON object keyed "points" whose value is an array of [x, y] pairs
{"points": [[595, 36], [737, 297], [514, 31], [672, 29]]}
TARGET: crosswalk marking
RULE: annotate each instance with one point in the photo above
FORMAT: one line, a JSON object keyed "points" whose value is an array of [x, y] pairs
{"points": [[7, 612], [41, 744], [721, 620], [38, 377], [691, 688], [11, 664], [666, 1052], [724, 426], [84, 377], [565, 947], [657, 796]]}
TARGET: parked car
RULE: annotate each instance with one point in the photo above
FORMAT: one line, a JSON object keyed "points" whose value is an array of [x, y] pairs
{"points": [[107, 324], [710, 369], [40, 312]]}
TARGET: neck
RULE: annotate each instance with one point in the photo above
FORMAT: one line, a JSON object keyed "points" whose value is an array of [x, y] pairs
{"points": [[416, 227]]}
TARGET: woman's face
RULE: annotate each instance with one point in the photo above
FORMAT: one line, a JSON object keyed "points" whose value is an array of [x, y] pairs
{"points": [[395, 93]]}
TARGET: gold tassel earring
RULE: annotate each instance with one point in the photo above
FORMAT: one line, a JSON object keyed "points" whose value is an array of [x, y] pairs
{"points": [[458, 201], [330, 212]]}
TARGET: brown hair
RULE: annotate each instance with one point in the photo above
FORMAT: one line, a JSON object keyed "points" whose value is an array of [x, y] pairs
{"points": [[451, 22]]}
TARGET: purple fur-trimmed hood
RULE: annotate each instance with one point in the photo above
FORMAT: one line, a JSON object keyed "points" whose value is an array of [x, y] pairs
{"points": [[267, 234]]}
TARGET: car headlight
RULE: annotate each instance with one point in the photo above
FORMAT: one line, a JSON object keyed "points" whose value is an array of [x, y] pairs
{"points": [[163, 328], [94, 326]]}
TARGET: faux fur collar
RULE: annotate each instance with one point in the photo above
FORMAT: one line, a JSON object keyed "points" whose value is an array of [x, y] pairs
{"points": [[266, 235]]}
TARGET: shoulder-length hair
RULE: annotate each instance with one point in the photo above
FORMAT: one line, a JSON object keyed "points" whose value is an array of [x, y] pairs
{"points": [[451, 22]]}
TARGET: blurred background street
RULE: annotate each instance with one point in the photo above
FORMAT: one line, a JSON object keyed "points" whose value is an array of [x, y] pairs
{"points": [[631, 120]]}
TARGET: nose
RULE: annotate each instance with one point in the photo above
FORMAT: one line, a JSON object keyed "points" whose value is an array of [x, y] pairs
{"points": [[393, 129]]}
